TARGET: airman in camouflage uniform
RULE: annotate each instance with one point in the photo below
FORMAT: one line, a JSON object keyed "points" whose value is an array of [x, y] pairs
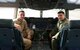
{"points": [[63, 23], [21, 24]]}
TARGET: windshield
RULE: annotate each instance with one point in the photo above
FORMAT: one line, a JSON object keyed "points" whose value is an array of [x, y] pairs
{"points": [[31, 13], [74, 14], [51, 13], [7, 13], [36, 13]]}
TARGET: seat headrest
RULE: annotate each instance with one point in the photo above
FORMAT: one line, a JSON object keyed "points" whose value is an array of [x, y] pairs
{"points": [[6, 23], [75, 24]]}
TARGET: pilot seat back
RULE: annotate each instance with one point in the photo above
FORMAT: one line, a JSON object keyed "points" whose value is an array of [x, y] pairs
{"points": [[7, 35], [72, 39]]}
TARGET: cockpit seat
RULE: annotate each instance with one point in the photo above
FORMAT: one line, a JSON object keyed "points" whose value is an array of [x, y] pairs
{"points": [[10, 38], [72, 39]]}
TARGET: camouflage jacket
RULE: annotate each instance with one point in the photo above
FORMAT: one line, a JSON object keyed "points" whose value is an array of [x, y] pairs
{"points": [[59, 27]]}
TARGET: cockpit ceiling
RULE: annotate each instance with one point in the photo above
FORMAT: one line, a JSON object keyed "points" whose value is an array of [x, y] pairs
{"points": [[39, 4], [47, 4]]}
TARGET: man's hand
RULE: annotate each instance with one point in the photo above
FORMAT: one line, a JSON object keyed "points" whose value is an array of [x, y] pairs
{"points": [[29, 37], [18, 27], [54, 37]]}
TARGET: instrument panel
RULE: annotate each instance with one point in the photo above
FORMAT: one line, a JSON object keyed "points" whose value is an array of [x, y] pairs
{"points": [[41, 23]]}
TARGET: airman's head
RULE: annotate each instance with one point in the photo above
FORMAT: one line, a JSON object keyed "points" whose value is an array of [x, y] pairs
{"points": [[61, 15], [21, 15]]}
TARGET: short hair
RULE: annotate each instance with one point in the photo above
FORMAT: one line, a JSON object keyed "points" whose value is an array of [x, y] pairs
{"points": [[21, 11], [60, 12]]}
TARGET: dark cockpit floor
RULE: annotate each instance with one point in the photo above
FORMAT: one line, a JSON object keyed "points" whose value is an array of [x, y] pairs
{"points": [[40, 45]]}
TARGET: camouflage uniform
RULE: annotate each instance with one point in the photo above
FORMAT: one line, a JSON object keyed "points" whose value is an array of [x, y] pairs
{"points": [[26, 31], [56, 32]]}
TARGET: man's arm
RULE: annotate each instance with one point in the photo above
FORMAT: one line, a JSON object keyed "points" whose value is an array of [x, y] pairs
{"points": [[18, 27]]}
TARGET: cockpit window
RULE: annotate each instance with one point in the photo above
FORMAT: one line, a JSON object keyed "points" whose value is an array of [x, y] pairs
{"points": [[31, 12], [50, 13], [7, 13], [36, 13], [74, 14]]}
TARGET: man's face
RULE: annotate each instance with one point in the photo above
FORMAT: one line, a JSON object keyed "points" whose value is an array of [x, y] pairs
{"points": [[21, 15], [61, 16]]}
